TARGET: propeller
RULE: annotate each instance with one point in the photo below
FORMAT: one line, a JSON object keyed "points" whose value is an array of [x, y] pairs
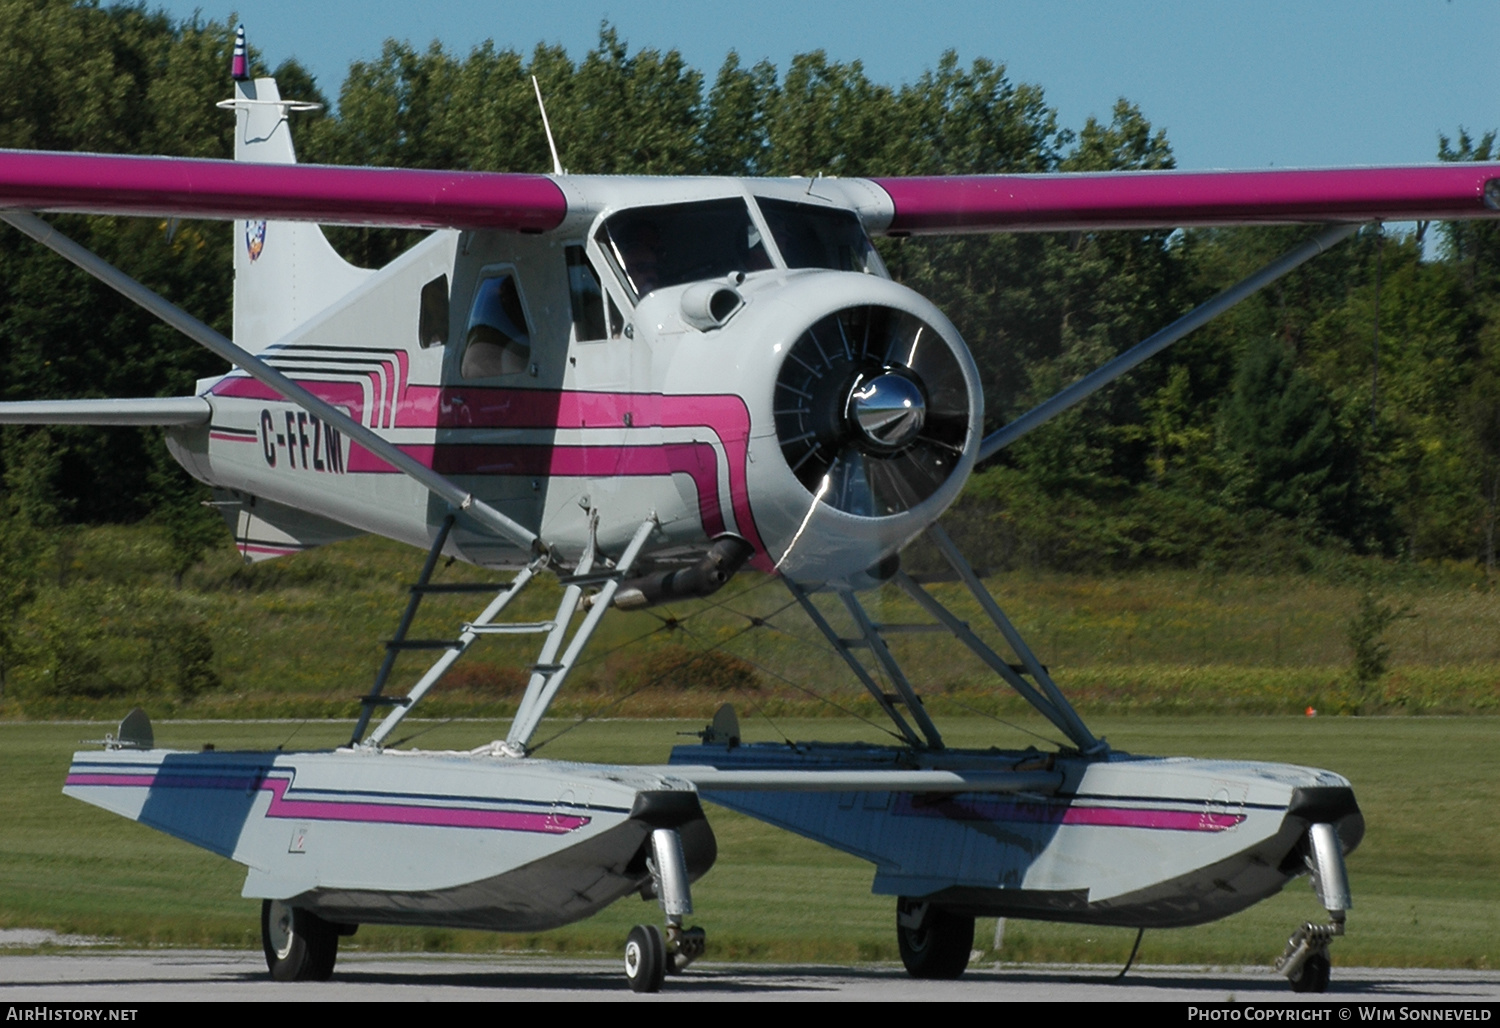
{"points": [[871, 410]]}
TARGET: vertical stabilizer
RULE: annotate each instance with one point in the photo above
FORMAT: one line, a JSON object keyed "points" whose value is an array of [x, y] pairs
{"points": [[284, 271]]}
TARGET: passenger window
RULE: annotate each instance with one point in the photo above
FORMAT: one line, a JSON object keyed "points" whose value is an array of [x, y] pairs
{"points": [[586, 296], [432, 326], [498, 341]]}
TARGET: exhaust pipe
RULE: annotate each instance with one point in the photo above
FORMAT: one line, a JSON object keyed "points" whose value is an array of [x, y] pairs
{"points": [[726, 556]]}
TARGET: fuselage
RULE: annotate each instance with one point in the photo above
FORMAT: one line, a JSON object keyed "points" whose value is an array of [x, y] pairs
{"points": [[597, 375]]}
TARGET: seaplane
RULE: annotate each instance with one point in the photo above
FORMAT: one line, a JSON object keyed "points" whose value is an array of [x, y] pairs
{"points": [[644, 386]]}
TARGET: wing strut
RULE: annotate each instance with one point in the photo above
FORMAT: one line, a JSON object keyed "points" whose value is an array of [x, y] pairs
{"points": [[445, 489], [1053, 706], [1198, 317], [546, 676]]}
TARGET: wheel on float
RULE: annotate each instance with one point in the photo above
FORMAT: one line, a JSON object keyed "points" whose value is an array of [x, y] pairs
{"points": [[300, 946], [645, 958], [1314, 975], [934, 943]]}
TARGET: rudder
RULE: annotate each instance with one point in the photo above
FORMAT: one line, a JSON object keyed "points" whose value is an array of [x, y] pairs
{"points": [[285, 272]]}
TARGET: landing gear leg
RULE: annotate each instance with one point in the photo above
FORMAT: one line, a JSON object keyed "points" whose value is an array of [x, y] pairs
{"points": [[934, 943], [300, 946], [1305, 962], [649, 953]]}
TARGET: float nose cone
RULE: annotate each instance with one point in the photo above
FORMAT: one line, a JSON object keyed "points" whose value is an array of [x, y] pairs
{"points": [[887, 409]]}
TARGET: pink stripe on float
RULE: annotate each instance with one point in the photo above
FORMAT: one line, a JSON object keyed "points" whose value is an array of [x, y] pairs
{"points": [[139, 781], [1170, 820], [406, 814], [193, 188], [339, 810], [1159, 818], [1172, 199], [229, 437]]}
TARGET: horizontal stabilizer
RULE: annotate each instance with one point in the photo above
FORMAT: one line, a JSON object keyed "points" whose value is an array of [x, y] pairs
{"points": [[162, 410], [264, 530], [711, 779]]}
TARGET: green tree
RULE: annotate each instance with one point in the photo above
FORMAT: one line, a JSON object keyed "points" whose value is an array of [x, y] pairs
{"points": [[1283, 446]]}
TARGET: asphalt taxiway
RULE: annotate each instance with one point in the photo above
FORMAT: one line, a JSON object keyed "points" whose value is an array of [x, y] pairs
{"points": [[122, 977]]}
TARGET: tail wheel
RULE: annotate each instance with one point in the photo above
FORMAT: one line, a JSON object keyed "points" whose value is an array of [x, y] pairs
{"points": [[934, 943], [645, 958], [300, 946]]}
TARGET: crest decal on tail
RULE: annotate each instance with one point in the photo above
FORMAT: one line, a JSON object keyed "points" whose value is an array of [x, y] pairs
{"points": [[255, 238]]}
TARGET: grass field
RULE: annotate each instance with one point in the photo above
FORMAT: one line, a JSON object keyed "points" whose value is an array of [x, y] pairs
{"points": [[1426, 880], [301, 637]]}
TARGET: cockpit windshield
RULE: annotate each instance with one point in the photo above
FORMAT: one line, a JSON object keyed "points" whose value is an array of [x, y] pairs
{"points": [[673, 244], [819, 237]]}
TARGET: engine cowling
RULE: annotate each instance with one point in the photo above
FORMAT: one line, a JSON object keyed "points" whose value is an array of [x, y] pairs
{"points": [[867, 415]]}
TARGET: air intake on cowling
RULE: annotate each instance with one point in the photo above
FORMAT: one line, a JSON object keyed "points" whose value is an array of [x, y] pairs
{"points": [[873, 399]]}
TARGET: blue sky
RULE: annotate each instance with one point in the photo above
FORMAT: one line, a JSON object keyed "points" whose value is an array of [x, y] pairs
{"points": [[1236, 85]]}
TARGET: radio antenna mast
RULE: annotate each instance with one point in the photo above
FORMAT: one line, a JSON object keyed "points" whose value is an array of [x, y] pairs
{"points": [[557, 168]]}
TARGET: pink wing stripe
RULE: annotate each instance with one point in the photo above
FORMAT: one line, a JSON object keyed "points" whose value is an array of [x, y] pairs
{"points": [[1170, 199], [181, 187]]}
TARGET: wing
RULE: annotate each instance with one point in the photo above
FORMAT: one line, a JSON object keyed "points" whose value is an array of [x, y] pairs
{"points": [[180, 187], [1175, 199]]}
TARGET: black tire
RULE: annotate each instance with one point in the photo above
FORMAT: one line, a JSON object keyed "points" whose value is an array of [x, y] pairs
{"points": [[299, 945], [645, 958], [1314, 975], [938, 948]]}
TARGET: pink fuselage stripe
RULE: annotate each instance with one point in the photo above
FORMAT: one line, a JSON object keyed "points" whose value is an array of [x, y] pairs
{"points": [[339, 810], [348, 395], [433, 407], [696, 460]]}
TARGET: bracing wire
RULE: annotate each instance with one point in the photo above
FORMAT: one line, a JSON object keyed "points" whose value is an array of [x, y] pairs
{"points": [[1009, 724], [648, 684], [667, 624]]}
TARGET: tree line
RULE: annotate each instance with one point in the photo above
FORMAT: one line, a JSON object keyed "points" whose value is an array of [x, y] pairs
{"points": [[1355, 405]]}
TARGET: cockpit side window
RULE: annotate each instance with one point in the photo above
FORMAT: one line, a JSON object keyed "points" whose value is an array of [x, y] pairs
{"points": [[586, 296], [432, 322], [498, 339], [656, 247], [819, 237]]}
